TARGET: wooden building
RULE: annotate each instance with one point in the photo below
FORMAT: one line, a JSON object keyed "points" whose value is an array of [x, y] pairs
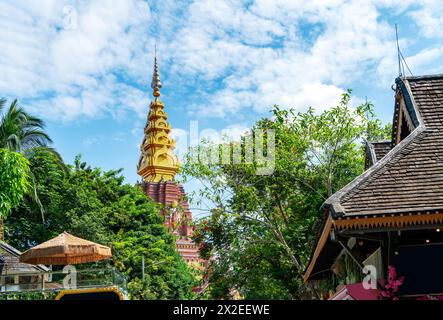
{"points": [[392, 214], [16, 276]]}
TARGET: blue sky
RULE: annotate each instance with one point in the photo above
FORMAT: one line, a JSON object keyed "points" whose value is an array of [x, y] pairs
{"points": [[85, 66]]}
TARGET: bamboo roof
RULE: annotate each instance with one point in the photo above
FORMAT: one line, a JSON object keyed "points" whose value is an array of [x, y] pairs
{"points": [[66, 249]]}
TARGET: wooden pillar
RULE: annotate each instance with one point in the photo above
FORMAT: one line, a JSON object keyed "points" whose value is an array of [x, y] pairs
{"points": [[387, 253], [2, 229]]}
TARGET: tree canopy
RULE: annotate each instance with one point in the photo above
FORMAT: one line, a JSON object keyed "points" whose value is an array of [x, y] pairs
{"points": [[24, 133], [14, 180], [98, 206], [260, 231]]}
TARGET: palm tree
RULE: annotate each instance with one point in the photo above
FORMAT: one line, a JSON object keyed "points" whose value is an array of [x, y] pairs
{"points": [[24, 133]]}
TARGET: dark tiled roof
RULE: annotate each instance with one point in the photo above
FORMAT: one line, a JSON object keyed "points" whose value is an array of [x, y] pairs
{"points": [[378, 149], [406, 179], [410, 176], [12, 264], [381, 148], [428, 96]]}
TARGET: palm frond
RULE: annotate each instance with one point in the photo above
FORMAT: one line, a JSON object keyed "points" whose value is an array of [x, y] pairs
{"points": [[36, 198], [29, 153], [13, 143], [32, 121], [20, 130], [2, 104], [34, 138], [13, 107], [23, 132]]}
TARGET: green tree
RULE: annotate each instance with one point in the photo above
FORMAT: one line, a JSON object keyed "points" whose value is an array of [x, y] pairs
{"points": [[98, 206], [20, 131], [14, 182], [24, 133], [260, 230]]}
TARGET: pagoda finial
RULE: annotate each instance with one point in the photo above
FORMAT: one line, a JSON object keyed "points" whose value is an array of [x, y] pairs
{"points": [[156, 83], [158, 162]]}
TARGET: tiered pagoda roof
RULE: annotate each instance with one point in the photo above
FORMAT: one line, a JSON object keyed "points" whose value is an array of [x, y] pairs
{"points": [[158, 161], [158, 166]]}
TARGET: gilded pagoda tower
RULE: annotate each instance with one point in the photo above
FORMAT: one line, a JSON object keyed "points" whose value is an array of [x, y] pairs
{"points": [[158, 161], [158, 166]]}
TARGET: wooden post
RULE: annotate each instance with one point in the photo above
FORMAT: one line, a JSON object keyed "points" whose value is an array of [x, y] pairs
{"points": [[43, 281], [2, 229], [143, 268], [385, 254]]}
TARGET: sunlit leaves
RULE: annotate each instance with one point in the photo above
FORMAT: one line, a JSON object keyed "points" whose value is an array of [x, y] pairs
{"points": [[97, 205], [14, 180], [261, 230]]}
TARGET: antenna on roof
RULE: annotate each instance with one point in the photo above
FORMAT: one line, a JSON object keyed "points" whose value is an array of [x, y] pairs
{"points": [[398, 52], [401, 59], [367, 118]]}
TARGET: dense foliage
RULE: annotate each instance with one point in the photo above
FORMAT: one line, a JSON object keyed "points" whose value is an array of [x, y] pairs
{"points": [[31, 295], [260, 232], [19, 130], [98, 206], [14, 180], [24, 133]]}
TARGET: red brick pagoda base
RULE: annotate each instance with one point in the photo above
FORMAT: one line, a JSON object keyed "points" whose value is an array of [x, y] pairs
{"points": [[178, 216]]}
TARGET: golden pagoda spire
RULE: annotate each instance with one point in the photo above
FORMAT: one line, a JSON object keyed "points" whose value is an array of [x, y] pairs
{"points": [[158, 161], [156, 84]]}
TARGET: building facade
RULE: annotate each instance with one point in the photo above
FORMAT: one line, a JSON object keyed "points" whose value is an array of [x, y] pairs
{"points": [[391, 217], [16, 276]]}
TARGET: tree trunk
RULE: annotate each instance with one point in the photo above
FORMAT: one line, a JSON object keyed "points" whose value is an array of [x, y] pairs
{"points": [[310, 289], [2, 229]]}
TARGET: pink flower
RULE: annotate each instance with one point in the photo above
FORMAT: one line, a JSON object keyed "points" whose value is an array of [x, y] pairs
{"points": [[392, 285]]}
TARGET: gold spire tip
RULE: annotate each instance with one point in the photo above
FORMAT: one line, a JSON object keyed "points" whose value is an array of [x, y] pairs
{"points": [[156, 82]]}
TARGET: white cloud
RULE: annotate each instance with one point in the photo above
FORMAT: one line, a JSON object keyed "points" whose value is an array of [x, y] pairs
{"points": [[427, 60], [429, 18], [72, 73], [349, 37], [245, 56], [234, 132]]}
